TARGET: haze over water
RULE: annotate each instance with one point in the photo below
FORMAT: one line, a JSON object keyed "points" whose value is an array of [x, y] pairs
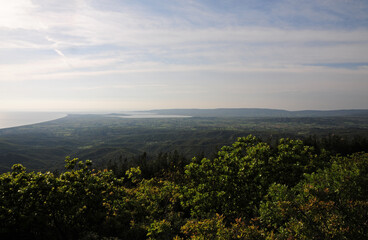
{"points": [[16, 119]]}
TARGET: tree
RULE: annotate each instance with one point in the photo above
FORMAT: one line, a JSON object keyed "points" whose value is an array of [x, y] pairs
{"points": [[234, 183], [328, 204]]}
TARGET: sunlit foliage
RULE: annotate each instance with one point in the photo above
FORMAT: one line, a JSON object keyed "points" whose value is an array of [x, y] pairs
{"points": [[250, 190]]}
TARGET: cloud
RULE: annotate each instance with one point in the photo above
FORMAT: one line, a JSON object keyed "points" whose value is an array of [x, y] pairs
{"points": [[108, 45], [19, 14], [240, 47]]}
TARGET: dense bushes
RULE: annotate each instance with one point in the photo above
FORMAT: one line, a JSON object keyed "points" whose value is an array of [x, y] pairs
{"points": [[327, 204], [248, 191]]}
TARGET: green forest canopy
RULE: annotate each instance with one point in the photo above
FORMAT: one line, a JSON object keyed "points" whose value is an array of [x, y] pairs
{"points": [[250, 190]]}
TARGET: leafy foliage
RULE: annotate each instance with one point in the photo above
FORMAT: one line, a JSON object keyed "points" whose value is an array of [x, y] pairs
{"points": [[234, 183], [42, 205], [250, 190], [328, 204]]}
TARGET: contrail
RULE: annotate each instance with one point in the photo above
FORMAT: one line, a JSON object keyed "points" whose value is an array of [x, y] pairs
{"points": [[59, 52], [65, 59]]}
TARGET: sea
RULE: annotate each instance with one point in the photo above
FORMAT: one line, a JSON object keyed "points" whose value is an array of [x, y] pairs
{"points": [[153, 116], [16, 119]]}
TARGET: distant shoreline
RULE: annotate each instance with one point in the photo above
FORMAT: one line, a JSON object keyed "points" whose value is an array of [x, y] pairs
{"points": [[20, 119]]}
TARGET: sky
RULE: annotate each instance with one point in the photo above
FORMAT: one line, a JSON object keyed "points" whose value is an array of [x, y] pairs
{"points": [[118, 55]]}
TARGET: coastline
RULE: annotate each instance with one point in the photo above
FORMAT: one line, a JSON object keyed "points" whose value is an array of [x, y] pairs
{"points": [[20, 119]]}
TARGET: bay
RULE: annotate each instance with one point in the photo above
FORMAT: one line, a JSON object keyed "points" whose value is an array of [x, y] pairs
{"points": [[154, 116], [143, 114], [16, 119]]}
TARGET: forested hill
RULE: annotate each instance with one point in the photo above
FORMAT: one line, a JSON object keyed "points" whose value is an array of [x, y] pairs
{"points": [[259, 112]]}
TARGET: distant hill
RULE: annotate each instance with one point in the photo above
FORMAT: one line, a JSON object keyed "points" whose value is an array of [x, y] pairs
{"points": [[259, 112]]}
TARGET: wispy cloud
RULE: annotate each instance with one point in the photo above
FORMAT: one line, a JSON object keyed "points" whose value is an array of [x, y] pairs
{"points": [[77, 39]]}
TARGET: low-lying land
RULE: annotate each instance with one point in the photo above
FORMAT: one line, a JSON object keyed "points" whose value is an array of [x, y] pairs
{"points": [[110, 138]]}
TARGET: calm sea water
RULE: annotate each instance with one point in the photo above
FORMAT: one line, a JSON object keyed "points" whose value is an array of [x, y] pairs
{"points": [[154, 116], [15, 119]]}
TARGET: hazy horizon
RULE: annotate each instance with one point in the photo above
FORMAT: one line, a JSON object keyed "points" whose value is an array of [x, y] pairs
{"points": [[131, 111], [93, 56]]}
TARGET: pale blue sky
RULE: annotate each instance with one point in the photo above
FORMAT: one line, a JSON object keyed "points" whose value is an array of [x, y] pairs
{"points": [[112, 55]]}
